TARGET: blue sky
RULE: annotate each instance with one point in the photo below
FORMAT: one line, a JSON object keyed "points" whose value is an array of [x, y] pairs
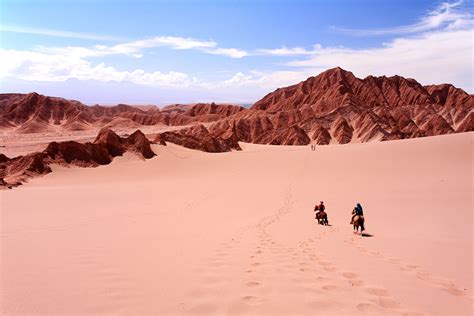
{"points": [[225, 51]]}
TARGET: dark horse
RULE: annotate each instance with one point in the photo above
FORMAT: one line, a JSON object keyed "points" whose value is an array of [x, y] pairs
{"points": [[321, 216], [359, 222]]}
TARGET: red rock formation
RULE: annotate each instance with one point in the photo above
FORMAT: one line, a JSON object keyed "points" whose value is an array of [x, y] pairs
{"points": [[198, 137], [321, 136], [467, 125], [369, 109], [293, 135], [84, 155], [16, 170], [111, 141], [33, 113], [342, 131], [101, 152], [138, 143], [436, 125]]}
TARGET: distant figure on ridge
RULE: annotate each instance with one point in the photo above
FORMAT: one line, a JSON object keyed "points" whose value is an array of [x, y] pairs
{"points": [[321, 215]]}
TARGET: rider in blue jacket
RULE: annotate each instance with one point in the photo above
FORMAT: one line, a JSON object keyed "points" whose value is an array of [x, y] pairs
{"points": [[357, 211]]}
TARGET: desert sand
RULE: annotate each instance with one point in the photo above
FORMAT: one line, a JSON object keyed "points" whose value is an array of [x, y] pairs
{"points": [[189, 232]]}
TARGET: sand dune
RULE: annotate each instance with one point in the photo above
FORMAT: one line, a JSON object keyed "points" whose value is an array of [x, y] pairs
{"points": [[189, 232]]}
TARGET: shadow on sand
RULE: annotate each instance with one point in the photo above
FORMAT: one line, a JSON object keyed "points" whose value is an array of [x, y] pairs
{"points": [[366, 235]]}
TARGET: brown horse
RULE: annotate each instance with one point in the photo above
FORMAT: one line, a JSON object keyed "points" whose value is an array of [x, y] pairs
{"points": [[322, 218], [359, 222]]}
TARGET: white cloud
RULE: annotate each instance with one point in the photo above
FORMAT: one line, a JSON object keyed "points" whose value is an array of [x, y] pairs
{"points": [[435, 57], [259, 80], [56, 33], [446, 15], [229, 52], [36, 66], [135, 48], [129, 48], [444, 53], [288, 51], [45, 67]]}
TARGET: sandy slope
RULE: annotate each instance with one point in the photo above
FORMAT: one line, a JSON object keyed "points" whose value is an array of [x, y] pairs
{"points": [[195, 233]]}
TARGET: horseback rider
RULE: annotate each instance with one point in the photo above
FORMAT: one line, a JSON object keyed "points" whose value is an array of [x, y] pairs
{"points": [[320, 207], [357, 211]]}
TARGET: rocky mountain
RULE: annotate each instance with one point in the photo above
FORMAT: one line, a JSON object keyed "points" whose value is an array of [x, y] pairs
{"points": [[332, 107], [34, 113], [337, 107]]}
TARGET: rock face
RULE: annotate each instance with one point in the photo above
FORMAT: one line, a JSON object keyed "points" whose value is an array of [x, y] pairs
{"points": [[17, 170], [138, 143], [374, 108], [106, 146], [321, 136], [198, 137]]}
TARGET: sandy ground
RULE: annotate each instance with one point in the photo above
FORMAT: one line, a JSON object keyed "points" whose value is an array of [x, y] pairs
{"points": [[234, 233]]}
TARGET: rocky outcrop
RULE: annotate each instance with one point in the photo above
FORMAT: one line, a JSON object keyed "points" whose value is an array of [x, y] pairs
{"points": [[16, 170], [106, 146], [138, 143], [111, 141], [199, 138]]}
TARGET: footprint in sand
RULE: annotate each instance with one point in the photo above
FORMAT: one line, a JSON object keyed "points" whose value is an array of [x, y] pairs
{"points": [[408, 268], [387, 302], [349, 275], [353, 279], [356, 282], [394, 260], [377, 291], [331, 287], [454, 291], [322, 279], [253, 284], [252, 300], [368, 307], [446, 285], [330, 269]]}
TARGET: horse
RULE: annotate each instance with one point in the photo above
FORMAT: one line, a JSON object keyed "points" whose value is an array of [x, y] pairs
{"points": [[322, 218], [359, 222]]}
